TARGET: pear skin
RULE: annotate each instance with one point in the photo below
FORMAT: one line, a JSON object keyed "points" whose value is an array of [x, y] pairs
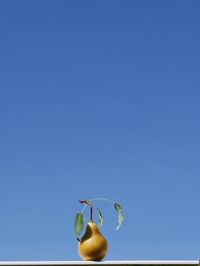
{"points": [[92, 246]]}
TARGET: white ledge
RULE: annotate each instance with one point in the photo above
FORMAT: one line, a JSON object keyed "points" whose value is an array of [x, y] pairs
{"points": [[117, 262]]}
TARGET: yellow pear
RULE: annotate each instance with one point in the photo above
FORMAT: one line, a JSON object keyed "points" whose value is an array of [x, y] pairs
{"points": [[92, 246]]}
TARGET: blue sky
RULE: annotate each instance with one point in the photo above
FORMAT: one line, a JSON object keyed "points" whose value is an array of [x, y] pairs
{"points": [[100, 99]]}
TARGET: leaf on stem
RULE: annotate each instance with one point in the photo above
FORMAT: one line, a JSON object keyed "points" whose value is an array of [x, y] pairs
{"points": [[79, 223], [120, 215], [100, 218], [87, 202]]}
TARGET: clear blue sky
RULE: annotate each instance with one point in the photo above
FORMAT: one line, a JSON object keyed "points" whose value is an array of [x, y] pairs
{"points": [[100, 99]]}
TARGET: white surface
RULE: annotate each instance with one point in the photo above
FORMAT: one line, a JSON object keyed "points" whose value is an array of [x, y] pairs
{"points": [[123, 262]]}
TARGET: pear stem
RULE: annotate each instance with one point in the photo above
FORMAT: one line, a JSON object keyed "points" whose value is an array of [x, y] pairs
{"points": [[91, 219], [87, 203]]}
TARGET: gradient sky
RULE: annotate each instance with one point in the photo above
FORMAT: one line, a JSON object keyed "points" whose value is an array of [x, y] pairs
{"points": [[100, 99]]}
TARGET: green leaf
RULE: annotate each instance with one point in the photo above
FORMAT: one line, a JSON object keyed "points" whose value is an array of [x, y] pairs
{"points": [[120, 215], [79, 223], [100, 217]]}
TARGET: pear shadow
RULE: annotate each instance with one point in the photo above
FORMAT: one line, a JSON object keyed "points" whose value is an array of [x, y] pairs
{"points": [[88, 234]]}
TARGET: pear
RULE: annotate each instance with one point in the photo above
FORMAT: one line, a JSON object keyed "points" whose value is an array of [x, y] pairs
{"points": [[92, 246]]}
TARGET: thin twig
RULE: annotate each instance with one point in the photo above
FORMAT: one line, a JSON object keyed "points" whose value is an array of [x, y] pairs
{"points": [[102, 199]]}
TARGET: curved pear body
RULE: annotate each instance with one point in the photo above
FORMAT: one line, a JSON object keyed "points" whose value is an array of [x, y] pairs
{"points": [[92, 246]]}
